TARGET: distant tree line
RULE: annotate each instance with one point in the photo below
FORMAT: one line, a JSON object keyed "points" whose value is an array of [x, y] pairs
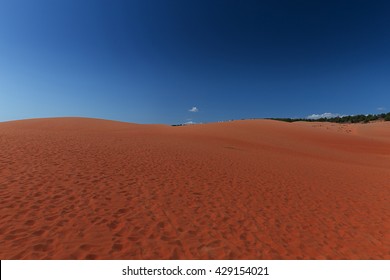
{"points": [[343, 119]]}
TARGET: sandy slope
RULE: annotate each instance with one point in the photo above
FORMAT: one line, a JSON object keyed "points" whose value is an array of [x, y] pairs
{"points": [[74, 188]]}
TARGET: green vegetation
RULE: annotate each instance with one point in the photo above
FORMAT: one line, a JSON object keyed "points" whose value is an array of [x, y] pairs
{"points": [[344, 119]]}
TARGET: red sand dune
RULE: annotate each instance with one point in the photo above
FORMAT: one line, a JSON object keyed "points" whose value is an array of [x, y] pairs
{"points": [[73, 188]]}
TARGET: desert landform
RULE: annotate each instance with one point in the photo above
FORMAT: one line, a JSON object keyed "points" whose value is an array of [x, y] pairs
{"points": [[79, 188]]}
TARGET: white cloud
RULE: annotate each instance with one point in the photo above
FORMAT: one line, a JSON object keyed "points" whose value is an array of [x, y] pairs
{"points": [[193, 110], [324, 115], [381, 108], [190, 122]]}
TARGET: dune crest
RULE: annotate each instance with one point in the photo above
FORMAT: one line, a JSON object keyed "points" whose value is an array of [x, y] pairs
{"points": [[78, 188]]}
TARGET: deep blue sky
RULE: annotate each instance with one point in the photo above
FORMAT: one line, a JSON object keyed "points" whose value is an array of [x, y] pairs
{"points": [[151, 61]]}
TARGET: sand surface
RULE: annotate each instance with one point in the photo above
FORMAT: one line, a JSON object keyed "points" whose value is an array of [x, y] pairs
{"points": [[74, 188]]}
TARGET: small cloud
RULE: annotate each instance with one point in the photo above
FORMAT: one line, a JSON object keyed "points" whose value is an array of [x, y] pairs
{"points": [[193, 110], [190, 122], [324, 115], [381, 108]]}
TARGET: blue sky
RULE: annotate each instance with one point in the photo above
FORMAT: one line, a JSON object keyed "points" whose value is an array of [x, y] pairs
{"points": [[152, 61]]}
